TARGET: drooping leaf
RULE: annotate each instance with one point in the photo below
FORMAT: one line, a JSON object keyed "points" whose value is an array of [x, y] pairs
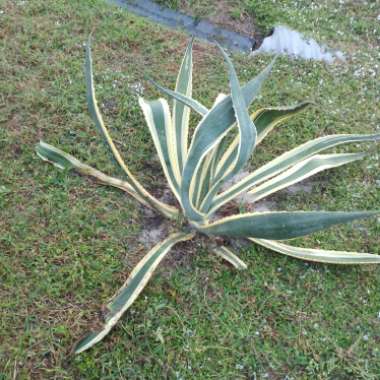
{"points": [[266, 119], [226, 254], [280, 225], [131, 289], [301, 171], [157, 116], [169, 211], [285, 161], [319, 255], [66, 161]]}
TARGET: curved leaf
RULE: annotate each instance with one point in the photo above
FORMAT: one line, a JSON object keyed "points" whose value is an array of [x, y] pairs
{"points": [[266, 119], [279, 225], [181, 113], [226, 254], [95, 113], [157, 116], [183, 99], [212, 128], [301, 171], [247, 130], [319, 255], [285, 161], [131, 289], [200, 184], [207, 170], [66, 161], [166, 210], [223, 171]]}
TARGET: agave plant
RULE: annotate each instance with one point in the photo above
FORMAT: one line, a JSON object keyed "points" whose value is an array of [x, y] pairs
{"points": [[220, 147]]}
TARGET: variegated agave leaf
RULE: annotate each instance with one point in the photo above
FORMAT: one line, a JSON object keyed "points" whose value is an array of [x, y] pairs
{"points": [[319, 255], [197, 166], [265, 120], [214, 126], [65, 161], [283, 162], [280, 225], [131, 289], [227, 254]]}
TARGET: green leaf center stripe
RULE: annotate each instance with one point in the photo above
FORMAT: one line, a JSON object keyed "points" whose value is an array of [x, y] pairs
{"points": [[226, 254], [206, 173], [286, 160], [230, 164], [95, 113], [266, 119], [66, 161], [247, 130], [200, 184], [132, 288], [140, 276], [301, 171], [223, 172], [213, 127], [217, 153], [166, 210], [319, 255], [181, 113], [157, 116], [183, 99], [249, 90], [209, 132], [279, 225]]}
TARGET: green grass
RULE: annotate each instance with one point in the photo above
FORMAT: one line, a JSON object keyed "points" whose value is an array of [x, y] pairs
{"points": [[67, 244], [345, 20]]}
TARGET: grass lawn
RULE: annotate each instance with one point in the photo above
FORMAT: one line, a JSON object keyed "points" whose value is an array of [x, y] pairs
{"points": [[67, 244]]}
